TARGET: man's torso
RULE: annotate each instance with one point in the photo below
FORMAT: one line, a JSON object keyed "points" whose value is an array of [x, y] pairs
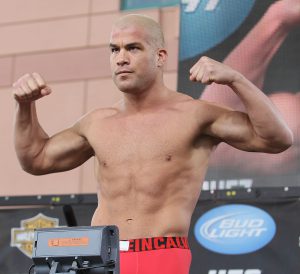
{"points": [[150, 167]]}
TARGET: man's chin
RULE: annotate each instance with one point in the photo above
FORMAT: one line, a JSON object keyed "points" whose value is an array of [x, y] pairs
{"points": [[127, 88]]}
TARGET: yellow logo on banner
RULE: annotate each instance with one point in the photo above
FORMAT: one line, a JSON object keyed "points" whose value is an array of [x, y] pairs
{"points": [[23, 237]]}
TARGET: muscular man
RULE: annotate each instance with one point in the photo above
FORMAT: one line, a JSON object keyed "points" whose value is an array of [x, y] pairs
{"points": [[252, 57], [151, 148]]}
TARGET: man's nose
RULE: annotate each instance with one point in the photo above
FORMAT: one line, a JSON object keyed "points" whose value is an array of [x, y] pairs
{"points": [[122, 58]]}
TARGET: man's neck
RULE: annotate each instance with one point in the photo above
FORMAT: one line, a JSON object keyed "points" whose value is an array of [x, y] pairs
{"points": [[139, 101]]}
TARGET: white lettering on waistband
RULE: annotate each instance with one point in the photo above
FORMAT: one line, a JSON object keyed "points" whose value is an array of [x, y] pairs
{"points": [[124, 245]]}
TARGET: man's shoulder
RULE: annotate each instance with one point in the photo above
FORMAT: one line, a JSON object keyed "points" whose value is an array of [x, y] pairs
{"points": [[101, 113], [190, 102], [183, 99], [96, 116]]}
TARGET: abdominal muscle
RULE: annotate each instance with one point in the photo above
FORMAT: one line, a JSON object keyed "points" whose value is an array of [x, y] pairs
{"points": [[155, 201], [135, 225]]}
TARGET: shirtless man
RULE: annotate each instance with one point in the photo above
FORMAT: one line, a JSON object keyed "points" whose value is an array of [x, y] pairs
{"points": [[152, 148]]}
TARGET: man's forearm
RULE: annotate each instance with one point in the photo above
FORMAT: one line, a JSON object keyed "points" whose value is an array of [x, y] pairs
{"points": [[29, 137], [265, 119]]}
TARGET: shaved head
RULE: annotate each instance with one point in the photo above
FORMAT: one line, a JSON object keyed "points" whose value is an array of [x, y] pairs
{"points": [[147, 24], [137, 53]]}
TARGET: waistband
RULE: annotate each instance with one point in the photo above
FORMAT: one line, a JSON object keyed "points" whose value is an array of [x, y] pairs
{"points": [[146, 244]]}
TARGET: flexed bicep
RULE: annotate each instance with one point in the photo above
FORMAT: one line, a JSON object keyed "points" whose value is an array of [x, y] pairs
{"points": [[235, 129], [63, 151]]}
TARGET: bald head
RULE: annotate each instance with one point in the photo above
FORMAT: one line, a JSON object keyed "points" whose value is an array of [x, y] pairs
{"points": [[150, 27]]}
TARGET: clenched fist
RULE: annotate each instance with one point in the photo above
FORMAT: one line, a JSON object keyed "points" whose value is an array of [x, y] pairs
{"points": [[207, 71], [30, 87]]}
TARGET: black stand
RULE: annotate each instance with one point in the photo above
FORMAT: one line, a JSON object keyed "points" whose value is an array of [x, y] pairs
{"points": [[56, 268]]}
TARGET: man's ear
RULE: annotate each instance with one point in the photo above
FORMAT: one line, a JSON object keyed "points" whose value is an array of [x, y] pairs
{"points": [[162, 56]]}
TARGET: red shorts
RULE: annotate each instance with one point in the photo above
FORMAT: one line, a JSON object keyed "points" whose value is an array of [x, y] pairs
{"points": [[166, 255]]}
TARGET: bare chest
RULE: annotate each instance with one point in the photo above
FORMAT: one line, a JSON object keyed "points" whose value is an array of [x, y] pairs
{"points": [[143, 138]]}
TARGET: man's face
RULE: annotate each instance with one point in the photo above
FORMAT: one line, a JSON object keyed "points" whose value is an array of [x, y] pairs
{"points": [[133, 59]]}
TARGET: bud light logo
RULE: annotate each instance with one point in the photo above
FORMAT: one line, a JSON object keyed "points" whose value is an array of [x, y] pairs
{"points": [[235, 229], [206, 23]]}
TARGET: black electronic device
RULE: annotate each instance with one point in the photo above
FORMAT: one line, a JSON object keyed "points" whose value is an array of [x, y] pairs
{"points": [[72, 250]]}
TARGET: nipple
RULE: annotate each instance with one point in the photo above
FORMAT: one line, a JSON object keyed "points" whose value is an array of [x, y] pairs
{"points": [[129, 221]]}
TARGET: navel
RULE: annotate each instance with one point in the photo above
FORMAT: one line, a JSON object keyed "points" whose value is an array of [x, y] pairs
{"points": [[168, 157]]}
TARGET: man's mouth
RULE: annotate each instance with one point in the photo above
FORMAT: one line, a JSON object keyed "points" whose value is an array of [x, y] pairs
{"points": [[123, 72]]}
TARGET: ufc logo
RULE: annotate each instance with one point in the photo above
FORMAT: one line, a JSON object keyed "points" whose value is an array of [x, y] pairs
{"points": [[193, 4], [235, 271]]}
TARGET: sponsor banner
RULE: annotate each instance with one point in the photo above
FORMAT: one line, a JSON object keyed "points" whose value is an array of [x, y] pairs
{"points": [[201, 17], [244, 35], [226, 237], [236, 271], [17, 231], [22, 237], [235, 229], [245, 237], [142, 4]]}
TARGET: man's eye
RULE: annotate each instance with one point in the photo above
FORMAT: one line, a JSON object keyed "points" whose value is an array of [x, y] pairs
{"points": [[113, 50], [133, 48]]}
